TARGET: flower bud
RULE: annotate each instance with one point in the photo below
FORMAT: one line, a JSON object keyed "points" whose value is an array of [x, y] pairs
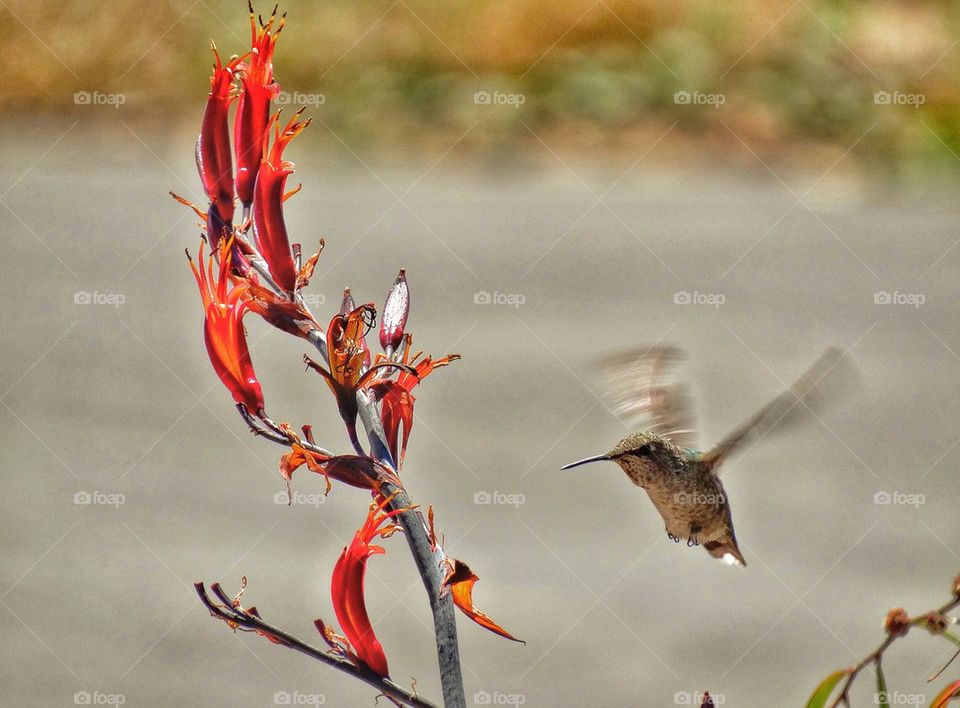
{"points": [[935, 622], [395, 312], [897, 621]]}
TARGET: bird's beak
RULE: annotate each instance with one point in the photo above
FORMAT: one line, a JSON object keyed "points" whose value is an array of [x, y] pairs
{"points": [[595, 458]]}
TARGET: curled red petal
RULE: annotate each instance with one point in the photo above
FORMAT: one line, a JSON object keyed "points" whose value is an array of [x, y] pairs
{"points": [[460, 579]]}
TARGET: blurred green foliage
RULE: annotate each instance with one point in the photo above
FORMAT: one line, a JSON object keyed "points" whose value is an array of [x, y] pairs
{"points": [[790, 74]]}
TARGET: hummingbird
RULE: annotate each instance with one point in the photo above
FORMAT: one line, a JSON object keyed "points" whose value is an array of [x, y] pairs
{"points": [[682, 481]]}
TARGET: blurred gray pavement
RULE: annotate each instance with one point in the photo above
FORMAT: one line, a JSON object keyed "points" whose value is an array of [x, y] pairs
{"points": [[120, 399]]}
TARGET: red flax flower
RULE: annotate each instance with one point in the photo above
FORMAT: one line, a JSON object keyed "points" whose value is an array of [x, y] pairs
{"points": [[253, 110], [286, 313], [269, 228], [346, 307], [346, 353], [223, 329], [396, 397], [460, 581], [216, 231], [353, 470], [213, 150], [347, 588]]}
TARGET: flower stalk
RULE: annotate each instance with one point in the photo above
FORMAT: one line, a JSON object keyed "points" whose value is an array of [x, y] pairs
{"points": [[254, 268], [897, 625]]}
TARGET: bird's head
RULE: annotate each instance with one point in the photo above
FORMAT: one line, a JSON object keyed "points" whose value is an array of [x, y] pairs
{"points": [[645, 446]]}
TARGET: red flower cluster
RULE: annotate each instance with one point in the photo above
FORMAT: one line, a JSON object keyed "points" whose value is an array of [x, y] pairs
{"points": [[360, 644], [264, 274], [267, 275]]}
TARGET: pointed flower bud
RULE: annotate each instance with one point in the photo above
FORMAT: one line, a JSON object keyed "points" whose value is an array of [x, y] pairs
{"points": [[214, 161], [395, 312]]}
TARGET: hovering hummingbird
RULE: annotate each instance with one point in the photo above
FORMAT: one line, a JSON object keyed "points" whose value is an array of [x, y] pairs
{"points": [[681, 481]]}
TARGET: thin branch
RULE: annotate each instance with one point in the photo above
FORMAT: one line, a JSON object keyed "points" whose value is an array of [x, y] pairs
{"points": [[934, 621], [429, 559], [428, 555], [250, 620], [254, 257], [429, 563], [254, 425]]}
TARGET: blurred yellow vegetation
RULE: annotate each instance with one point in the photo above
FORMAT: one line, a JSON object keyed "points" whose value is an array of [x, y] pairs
{"points": [[789, 73]]}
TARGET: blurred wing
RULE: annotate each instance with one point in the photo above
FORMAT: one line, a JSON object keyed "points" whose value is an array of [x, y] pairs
{"points": [[643, 389], [826, 381]]}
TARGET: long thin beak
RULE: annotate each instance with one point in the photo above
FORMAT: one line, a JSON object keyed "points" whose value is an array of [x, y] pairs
{"points": [[595, 458]]}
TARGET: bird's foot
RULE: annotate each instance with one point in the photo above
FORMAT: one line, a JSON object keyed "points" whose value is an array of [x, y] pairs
{"points": [[692, 541], [675, 539]]}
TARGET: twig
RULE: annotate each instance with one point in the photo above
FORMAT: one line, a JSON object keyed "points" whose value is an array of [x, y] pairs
{"points": [[897, 627], [237, 616], [429, 559]]}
